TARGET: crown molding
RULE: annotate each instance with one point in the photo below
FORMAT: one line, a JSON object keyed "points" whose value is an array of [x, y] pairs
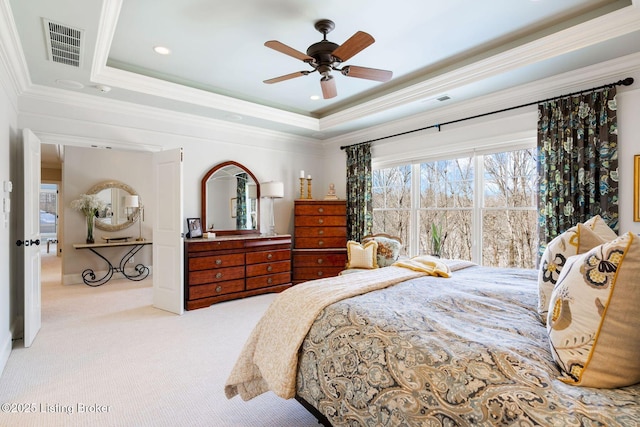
{"points": [[582, 79], [603, 28], [11, 56]]}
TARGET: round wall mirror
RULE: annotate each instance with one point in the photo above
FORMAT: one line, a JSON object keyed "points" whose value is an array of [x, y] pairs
{"points": [[116, 215], [230, 197]]}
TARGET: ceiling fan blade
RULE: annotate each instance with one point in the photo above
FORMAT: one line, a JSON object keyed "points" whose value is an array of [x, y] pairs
{"points": [[328, 85], [283, 48], [351, 47], [286, 77], [367, 73]]}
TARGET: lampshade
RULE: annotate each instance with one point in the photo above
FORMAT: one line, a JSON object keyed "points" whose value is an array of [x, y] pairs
{"points": [[131, 202], [272, 189]]}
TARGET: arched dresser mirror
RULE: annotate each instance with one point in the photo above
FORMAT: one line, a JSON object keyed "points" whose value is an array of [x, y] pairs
{"points": [[230, 200], [116, 215]]}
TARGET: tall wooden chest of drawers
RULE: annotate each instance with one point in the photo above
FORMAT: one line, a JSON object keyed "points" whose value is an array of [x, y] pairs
{"points": [[234, 267], [320, 239]]}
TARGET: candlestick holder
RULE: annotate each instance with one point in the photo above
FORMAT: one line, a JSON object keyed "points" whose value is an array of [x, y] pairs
{"points": [[309, 188], [302, 188]]}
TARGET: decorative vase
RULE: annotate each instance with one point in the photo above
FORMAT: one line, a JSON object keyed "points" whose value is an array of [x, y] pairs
{"points": [[90, 223]]}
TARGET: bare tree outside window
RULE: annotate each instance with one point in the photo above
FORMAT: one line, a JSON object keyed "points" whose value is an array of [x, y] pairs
{"points": [[445, 215]]}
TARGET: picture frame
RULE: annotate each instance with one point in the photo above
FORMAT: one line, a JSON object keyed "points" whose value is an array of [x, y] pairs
{"points": [[195, 228], [233, 206], [636, 188]]}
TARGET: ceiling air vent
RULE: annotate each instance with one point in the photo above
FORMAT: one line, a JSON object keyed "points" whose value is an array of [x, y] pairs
{"points": [[64, 44]]}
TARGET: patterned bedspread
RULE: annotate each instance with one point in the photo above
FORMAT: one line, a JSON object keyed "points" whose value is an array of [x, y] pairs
{"points": [[464, 351]]}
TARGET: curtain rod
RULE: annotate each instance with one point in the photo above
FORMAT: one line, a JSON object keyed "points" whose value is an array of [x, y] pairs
{"points": [[626, 82]]}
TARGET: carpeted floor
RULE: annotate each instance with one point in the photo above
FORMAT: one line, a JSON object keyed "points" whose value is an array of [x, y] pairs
{"points": [[106, 357]]}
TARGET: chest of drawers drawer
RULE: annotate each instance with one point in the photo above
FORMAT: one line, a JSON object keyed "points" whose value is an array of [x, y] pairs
{"points": [[215, 261], [268, 268], [320, 242], [268, 256], [216, 275], [215, 289]]}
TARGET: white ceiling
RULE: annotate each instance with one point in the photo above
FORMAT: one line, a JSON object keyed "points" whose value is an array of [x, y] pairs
{"points": [[460, 48]]}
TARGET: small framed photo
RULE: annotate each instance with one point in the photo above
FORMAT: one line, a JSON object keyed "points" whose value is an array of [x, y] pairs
{"points": [[195, 227]]}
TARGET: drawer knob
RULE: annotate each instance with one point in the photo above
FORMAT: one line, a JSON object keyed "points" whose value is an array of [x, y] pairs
{"points": [[320, 260], [320, 242], [218, 261], [218, 275], [320, 273], [320, 221], [219, 289], [321, 232], [269, 268], [269, 255], [320, 210], [269, 280]]}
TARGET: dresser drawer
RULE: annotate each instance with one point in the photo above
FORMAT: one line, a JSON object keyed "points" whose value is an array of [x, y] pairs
{"points": [[320, 259], [320, 221], [268, 268], [321, 232], [213, 289], [320, 243], [268, 256], [216, 275], [268, 280], [213, 245], [311, 273], [321, 209], [215, 261]]}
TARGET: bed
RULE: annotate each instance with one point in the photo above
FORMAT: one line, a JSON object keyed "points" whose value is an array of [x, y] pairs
{"points": [[396, 346]]}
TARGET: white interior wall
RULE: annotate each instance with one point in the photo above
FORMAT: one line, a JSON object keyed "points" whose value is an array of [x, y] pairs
{"points": [[8, 233]]}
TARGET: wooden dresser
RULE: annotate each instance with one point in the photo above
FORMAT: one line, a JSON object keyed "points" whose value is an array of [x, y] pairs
{"points": [[234, 267], [320, 245]]}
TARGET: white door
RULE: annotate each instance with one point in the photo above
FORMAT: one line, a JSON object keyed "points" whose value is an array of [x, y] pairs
{"points": [[31, 236], [168, 289]]}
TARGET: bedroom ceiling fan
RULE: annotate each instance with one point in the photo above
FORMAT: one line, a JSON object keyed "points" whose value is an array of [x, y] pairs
{"points": [[325, 56]]}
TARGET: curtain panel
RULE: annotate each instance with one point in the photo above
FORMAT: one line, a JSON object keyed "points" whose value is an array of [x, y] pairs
{"points": [[359, 196], [578, 162], [241, 201]]}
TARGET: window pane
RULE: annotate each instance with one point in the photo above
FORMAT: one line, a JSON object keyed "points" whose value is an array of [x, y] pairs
{"points": [[510, 179], [48, 208], [455, 228], [447, 183], [391, 188], [394, 223], [509, 238]]}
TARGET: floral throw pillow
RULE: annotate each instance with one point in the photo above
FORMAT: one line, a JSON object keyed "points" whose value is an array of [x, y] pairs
{"points": [[574, 241], [388, 250], [594, 321]]}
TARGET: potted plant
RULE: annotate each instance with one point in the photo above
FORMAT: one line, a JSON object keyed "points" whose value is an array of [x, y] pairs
{"points": [[437, 239], [89, 205]]}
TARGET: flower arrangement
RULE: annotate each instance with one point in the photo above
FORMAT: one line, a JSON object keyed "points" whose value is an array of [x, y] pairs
{"points": [[89, 205]]}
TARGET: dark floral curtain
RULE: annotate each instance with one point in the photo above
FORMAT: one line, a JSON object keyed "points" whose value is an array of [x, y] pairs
{"points": [[578, 162], [241, 200], [359, 204]]}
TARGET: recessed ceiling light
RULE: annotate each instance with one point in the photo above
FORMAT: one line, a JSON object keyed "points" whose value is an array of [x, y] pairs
{"points": [[161, 50], [314, 97], [233, 117]]}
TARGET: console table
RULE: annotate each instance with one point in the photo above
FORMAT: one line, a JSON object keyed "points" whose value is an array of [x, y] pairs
{"points": [[140, 271]]}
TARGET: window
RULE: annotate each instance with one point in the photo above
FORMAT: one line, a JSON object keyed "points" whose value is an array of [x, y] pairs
{"points": [[48, 209], [487, 199]]}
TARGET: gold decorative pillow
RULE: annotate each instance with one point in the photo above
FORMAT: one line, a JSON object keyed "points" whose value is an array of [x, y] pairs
{"points": [[562, 247], [594, 320], [362, 256]]}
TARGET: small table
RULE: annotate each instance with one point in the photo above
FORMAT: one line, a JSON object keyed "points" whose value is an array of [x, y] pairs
{"points": [[140, 271]]}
